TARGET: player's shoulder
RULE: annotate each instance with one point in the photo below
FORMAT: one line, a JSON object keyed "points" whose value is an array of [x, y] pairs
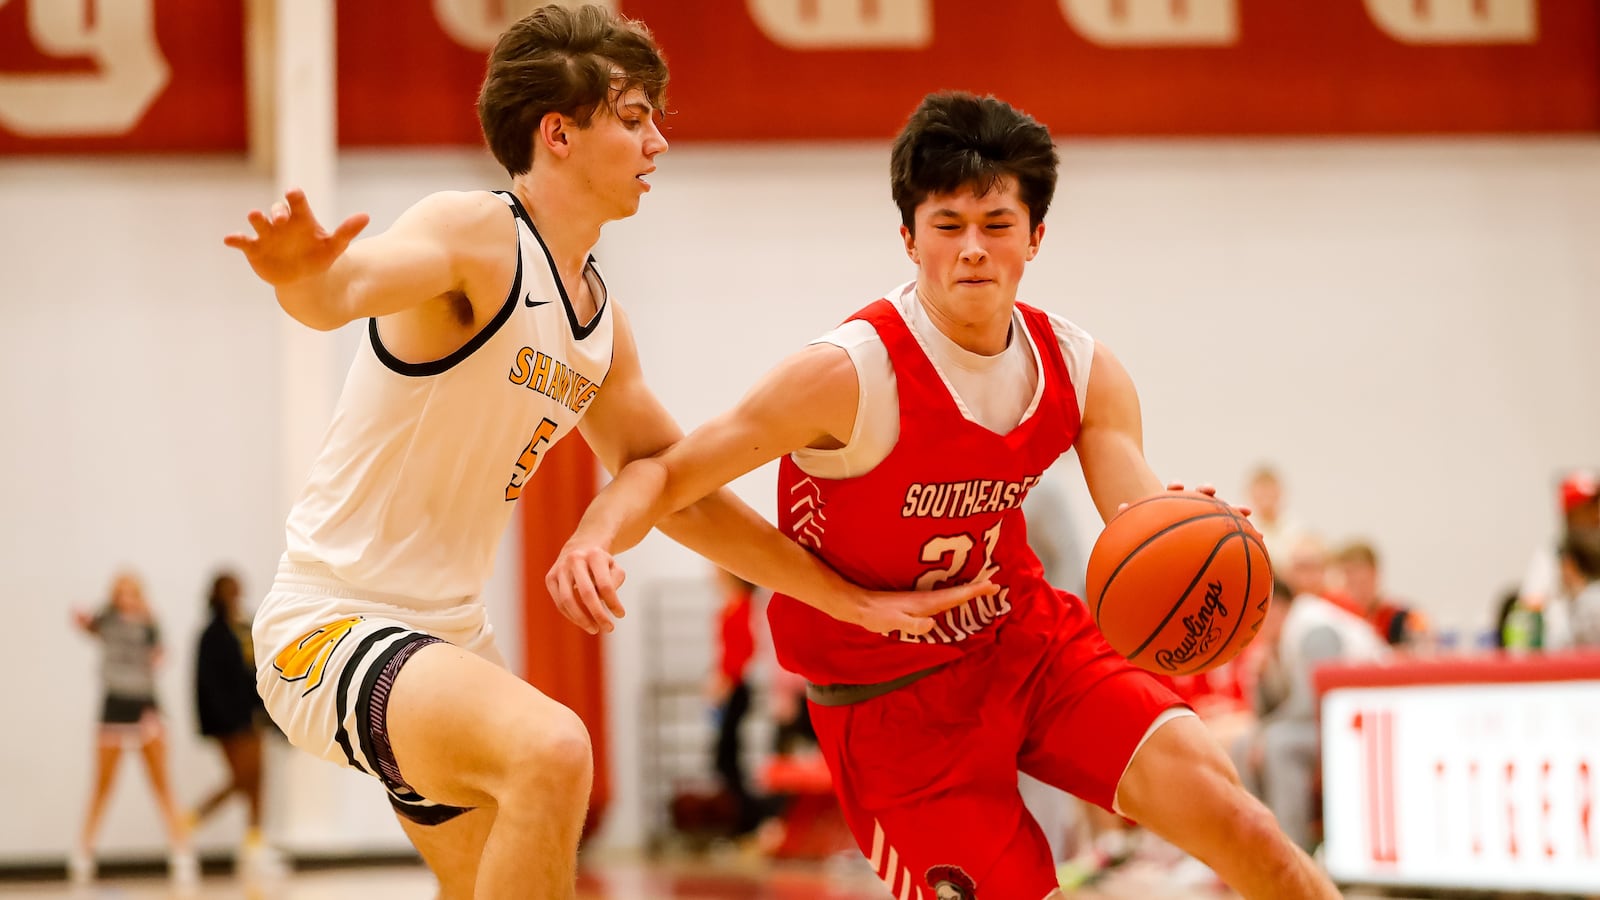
{"points": [[1065, 329], [460, 212]]}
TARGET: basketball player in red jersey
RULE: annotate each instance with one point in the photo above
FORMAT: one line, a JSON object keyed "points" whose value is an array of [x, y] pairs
{"points": [[909, 437]]}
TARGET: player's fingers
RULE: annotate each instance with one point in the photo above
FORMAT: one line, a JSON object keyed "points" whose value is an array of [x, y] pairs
{"points": [[280, 212], [237, 241], [589, 598], [935, 602], [1174, 485], [1243, 511], [295, 200], [349, 228], [560, 589], [1210, 490], [258, 221], [605, 585], [916, 625]]}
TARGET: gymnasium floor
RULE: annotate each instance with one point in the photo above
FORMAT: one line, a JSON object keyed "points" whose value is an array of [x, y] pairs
{"points": [[617, 880]]}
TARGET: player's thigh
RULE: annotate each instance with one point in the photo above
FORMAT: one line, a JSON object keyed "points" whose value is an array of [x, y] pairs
{"points": [[956, 847], [1182, 786], [927, 780], [452, 849], [1089, 712], [466, 732]]}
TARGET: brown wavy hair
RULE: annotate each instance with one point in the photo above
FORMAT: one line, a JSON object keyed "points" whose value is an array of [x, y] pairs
{"points": [[567, 61]]}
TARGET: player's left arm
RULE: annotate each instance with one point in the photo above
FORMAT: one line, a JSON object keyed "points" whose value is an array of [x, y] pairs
{"points": [[1111, 437], [1111, 440]]}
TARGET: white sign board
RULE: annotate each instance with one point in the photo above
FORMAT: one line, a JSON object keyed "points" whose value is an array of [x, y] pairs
{"points": [[1479, 786]]}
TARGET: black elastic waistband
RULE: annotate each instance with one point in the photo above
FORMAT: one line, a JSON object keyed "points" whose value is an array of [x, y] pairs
{"points": [[846, 694]]}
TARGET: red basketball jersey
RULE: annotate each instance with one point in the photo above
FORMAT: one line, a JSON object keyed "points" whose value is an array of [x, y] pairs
{"points": [[943, 508]]}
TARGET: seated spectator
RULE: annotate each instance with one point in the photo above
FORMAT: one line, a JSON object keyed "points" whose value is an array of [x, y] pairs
{"points": [[1399, 625], [1580, 571], [1543, 603]]}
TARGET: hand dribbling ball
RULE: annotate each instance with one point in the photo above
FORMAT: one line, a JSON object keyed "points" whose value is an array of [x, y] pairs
{"points": [[1179, 583]]}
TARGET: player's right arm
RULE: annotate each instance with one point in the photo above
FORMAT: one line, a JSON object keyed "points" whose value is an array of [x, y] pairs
{"points": [[324, 280], [809, 400]]}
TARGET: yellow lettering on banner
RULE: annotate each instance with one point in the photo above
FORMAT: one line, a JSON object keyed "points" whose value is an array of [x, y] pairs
{"points": [[120, 37], [1142, 23], [307, 658], [844, 24], [1457, 21]]}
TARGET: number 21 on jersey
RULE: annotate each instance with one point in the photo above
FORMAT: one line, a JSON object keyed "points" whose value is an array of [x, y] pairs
{"points": [[950, 554]]}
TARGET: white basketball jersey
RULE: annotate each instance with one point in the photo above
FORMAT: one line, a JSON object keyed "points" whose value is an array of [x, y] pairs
{"points": [[423, 462]]}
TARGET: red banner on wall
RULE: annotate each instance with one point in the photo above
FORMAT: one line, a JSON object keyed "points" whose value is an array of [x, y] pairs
{"points": [[168, 74], [121, 75]]}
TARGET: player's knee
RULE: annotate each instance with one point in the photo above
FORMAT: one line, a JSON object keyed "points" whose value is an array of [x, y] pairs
{"points": [[550, 752]]}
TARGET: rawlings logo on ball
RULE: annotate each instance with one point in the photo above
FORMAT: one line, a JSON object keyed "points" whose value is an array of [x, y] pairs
{"points": [[1200, 631]]}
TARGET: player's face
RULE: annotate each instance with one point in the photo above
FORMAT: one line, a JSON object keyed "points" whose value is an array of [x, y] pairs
{"points": [[616, 153], [970, 250]]}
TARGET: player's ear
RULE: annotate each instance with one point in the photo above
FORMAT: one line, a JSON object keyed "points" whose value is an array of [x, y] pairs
{"points": [[1034, 240], [911, 244], [552, 134]]}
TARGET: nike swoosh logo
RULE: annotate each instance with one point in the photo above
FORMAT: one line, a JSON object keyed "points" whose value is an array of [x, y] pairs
{"points": [[528, 299]]}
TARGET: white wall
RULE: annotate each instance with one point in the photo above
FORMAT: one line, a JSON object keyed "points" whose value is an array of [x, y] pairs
{"points": [[1406, 328]]}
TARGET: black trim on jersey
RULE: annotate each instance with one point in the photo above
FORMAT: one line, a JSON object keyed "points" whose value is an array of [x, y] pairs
{"points": [[438, 366], [341, 735], [579, 330]]}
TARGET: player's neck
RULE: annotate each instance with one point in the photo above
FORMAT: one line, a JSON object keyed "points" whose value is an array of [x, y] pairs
{"points": [[567, 224], [986, 337]]}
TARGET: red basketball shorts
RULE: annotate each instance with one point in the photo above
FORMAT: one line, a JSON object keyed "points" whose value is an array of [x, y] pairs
{"points": [[927, 774]]}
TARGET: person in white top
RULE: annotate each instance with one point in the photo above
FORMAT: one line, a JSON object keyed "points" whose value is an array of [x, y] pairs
{"points": [[490, 337]]}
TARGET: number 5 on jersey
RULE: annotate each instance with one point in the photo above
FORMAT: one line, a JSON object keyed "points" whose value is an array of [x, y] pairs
{"points": [[529, 458]]}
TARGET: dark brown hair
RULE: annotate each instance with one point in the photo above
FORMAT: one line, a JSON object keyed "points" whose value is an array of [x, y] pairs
{"points": [[955, 140], [567, 61]]}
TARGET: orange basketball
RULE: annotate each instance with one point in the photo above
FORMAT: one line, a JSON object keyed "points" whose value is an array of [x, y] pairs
{"points": [[1179, 583]]}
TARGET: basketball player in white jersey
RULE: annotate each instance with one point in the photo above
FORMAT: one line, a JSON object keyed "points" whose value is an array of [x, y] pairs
{"points": [[919, 425], [490, 336]]}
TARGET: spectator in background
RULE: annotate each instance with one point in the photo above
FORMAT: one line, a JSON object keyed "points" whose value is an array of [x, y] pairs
{"points": [[730, 692], [1265, 492], [1303, 631], [1580, 572], [1304, 565], [1400, 626], [1541, 616], [230, 712], [130, 653]]}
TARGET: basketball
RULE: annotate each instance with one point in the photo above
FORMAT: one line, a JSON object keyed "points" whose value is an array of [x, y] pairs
{"points": [[1179, 583]]}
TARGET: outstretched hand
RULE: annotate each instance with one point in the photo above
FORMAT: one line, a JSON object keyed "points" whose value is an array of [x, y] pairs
{"points": [[289, 244], [911, 612], [583, 582]]}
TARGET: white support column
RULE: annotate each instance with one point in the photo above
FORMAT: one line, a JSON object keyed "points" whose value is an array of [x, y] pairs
{"points": [[305, 152]]}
